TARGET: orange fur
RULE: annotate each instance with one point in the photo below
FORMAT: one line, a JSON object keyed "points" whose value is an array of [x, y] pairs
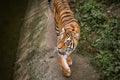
{"points": [[69, 60], [68, 32]]}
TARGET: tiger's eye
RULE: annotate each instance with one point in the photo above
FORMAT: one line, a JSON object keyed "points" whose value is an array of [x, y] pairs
{"points": [[73, 29]]}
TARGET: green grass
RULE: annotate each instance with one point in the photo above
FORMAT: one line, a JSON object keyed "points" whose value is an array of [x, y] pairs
{"points": [[100, 34]]}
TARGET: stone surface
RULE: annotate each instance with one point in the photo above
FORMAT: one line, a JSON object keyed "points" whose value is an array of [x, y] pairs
{"points": [[37, 56]]}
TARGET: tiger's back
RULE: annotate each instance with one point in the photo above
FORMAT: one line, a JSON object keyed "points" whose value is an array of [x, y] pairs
{"points": [[62, 13], [68, 32]]}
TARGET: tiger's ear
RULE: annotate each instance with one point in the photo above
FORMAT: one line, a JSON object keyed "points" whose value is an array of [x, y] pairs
{"points": [[76, 36]]}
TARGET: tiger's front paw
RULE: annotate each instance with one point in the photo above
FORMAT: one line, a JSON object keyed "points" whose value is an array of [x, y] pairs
{"points": [[66, 72], [70, 62]]}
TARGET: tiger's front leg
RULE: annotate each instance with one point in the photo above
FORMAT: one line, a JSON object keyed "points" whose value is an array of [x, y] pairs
{"points": [[69, 60], [64, 65]]}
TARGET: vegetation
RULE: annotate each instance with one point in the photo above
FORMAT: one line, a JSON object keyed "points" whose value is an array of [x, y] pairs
{"points": [[100, 34]]}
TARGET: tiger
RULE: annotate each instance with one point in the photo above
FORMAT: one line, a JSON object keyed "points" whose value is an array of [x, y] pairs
{"points": [[67, 31]]}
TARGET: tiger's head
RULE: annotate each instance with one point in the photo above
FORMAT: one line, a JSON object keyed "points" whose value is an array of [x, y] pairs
{"points": [[69, 38]]}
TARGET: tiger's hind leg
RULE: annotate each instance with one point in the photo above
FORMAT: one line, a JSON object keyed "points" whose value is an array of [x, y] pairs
{"points": [[69, 60], [64, 65]]}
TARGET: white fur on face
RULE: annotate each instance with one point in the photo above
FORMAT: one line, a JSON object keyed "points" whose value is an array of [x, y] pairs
{"points": [[63, 29]]}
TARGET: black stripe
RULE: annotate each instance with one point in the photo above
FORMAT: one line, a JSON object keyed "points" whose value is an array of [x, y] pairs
{"points": [[56, 21], [57, 4], [66, 16], [49, 0], [57, 29], [58, 34], [66, 13], [60, 6], [69, 21], [55, 1], [62, 53], [72, 26]]}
